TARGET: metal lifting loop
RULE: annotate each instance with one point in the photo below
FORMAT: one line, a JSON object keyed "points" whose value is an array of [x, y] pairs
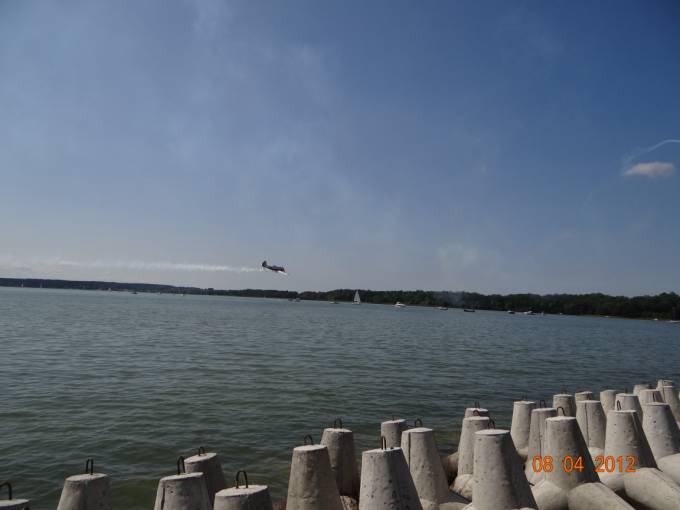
{"points": [[541, 403], [475, 412], [311, 439], [491, 424], [201, 450], [89, 466], [418, 423], [477, 404], [564, 390], [9, 488], [558, 411], [336, 422], [383, 443], [181, 468], [238, 478], [394, 418], [618, 405]]}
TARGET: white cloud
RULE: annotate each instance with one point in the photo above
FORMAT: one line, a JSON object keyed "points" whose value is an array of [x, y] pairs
{"points": [[653, 169]]}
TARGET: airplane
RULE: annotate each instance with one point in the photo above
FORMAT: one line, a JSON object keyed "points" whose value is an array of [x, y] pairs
{"points": [[276, 269]]}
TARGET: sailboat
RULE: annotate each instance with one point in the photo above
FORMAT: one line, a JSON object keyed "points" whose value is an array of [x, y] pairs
{"points": [[357, 298]]}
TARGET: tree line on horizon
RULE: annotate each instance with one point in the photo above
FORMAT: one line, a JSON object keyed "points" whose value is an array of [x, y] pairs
{"points": [[662, 306]]}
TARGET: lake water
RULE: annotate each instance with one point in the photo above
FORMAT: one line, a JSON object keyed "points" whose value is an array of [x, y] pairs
{"points": [[134, 381]]}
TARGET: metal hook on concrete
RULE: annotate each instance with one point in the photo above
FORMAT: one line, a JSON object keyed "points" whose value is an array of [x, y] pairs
{"points": [[618, 405], [311, 439], [238, 478], [383, 443], [336, 422], [89, 466], [541, 403], [477, 404], [9, 488], [418, 423], [181, 468], [558, 411], [201, 450], [491, 424], [475, 412]]}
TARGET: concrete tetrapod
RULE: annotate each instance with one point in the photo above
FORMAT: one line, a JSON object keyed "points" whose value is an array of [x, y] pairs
{"points": [[476, 411], [639, 387], [208, 464], [450, 462], [664, 382], [624, 437], [608, 399], [537, 439], [248, 497], [593, 424], [565, 446], [583, 395], [391, 430], [521, 423], [595, 496], [386, 481], [566, 402], [185, 491], [420, 452], [90, 490], [670, 395], [650, 489], [661, 430], [466, 454], [312, 482], [628, 402], [11, 503], [647, 396], [340, 444], [499, 483]]}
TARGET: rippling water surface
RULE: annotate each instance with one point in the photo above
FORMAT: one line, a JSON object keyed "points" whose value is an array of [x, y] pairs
{"points": [[134, 381]]}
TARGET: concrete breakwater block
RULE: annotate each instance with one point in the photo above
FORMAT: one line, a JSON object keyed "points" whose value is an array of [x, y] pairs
{"points": [[500, 483], [625, 438], [537, 440], [11, 503], [564, 403], [185, 491], [583, 395], [564, 440], [243, 497], [312, 482], [593, 424], [647, 396], [595, 496], [670, 395], [661, 430], [664, 382], [391, 430], [639, 387], [386, 481], [466, 449], [208, 464], [340, 444], [608, 399], [628, 402], [521, 423], [88, 490], [650, 489], [476, 411], [422, 457]]}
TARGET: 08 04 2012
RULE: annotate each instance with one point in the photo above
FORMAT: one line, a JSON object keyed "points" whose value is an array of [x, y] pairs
{"points": [[603, 464]]}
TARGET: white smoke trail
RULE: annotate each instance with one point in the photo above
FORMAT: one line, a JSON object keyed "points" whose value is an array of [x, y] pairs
{"points": [[646, 150], [133, 265]]}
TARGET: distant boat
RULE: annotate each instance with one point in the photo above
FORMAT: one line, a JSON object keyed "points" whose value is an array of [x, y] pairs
{"points": [[529, 313], [471, 310], [399, 305], [334, 302], [443, 308], [134, 292], [511, 312], [357, 298], [297, 299], [674, 322]]}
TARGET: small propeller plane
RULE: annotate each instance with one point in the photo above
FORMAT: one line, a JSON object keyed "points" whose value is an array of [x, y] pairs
{"points": [[276, 269]]}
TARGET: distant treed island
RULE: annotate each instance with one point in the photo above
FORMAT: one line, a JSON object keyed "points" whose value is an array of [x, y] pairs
{"points": [[665, 306]]}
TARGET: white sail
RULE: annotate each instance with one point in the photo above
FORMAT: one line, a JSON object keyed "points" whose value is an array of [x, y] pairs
{"points": [[357, 299]]}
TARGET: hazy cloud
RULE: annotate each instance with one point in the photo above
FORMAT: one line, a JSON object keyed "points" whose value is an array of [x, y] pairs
{"points": [[653, 169]]}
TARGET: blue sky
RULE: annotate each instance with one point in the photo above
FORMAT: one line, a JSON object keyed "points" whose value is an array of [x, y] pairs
{"points": [[487, 146]]}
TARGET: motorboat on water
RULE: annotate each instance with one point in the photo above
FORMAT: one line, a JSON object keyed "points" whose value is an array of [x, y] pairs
{"points": [[399, 305], [471, 310]]}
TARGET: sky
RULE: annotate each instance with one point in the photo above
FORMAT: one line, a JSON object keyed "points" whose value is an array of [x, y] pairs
{"points": [[445, 145]]}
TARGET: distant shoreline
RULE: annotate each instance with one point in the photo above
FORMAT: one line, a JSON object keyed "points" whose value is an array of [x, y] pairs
{"points": [[665, 306]]}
